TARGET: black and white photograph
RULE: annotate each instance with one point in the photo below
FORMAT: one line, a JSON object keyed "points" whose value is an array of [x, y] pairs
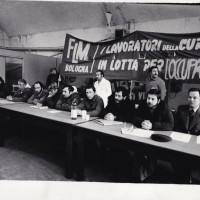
{"points": [[99, 100]]}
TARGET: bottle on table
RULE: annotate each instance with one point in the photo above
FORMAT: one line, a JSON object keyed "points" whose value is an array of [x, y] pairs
{"points": [[74, 110]]}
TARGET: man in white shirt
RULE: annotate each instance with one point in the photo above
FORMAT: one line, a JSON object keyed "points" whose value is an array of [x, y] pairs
{"points": [[103, 87]]}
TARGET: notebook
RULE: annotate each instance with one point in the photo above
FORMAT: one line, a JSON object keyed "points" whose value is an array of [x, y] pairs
{"points": [[108, 122]]}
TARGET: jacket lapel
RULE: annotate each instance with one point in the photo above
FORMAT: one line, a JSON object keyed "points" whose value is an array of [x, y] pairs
{"points": [[185, 115], [196, 119]]}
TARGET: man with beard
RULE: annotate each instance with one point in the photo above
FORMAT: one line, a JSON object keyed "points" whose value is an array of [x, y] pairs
{"points": [[53, 96], [153, 82], [39, 96], [69, 95], [152, 114], [119, 108]]}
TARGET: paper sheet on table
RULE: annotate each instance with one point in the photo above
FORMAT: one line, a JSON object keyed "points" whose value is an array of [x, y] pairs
{"points": [[41, 108], [137, 132], [198, 139], [4, 101], [53, 111], [182, 137]]}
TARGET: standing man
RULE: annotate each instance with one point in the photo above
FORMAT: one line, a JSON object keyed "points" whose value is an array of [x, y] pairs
{"points": [[92, 103], [52, 77], [152, 114], [22, 94], [153, 82], [187, 120], [119, 108], [69, 94], [103, 87], [39, 96]]}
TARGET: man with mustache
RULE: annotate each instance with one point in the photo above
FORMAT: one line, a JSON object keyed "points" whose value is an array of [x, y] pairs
{"points": [[152, 114], [153, 82], [119, 108]]}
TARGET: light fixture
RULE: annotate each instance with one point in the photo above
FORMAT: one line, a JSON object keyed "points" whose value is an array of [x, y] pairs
{"points": [[108, 17]]}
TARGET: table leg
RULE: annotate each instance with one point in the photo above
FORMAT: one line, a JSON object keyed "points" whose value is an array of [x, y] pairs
{"points": [[68, 173], [3, 123], [80, 156]]}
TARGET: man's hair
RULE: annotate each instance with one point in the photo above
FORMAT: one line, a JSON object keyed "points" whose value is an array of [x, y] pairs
{"points": [[101, 71], [155, 92], [194, 90], [40, 83], [90, 87], [53, 68], [22, 81], [151, 68], [123, 90], [70, 88]]}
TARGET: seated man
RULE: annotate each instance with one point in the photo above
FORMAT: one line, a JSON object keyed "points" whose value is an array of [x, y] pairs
{"points": [[119, 108], [187, 120], [53, 96], [153, 114], [39, 96], [5, 88], [92, 103], [68, 95], [22, 94]]}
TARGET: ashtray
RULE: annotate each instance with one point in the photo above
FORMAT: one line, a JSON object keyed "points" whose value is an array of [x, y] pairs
{"points": [[160, 138]]}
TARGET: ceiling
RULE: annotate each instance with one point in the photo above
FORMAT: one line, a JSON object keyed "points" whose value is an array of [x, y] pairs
{"points": [[22, 18]]}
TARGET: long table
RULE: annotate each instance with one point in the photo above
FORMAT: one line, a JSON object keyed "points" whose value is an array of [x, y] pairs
{"points": [[112, 136], [58, 120]]}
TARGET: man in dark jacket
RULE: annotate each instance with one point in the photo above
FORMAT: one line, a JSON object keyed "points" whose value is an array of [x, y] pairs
{"points": [[53, 96], [67, 97], [92, 103], [119, 108], [5, 88], [153, 114], [22, 94], [187, 120], [39, 96]]}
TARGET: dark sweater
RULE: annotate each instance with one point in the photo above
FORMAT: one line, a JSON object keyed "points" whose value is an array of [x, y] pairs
{"points": [[65, 103], [22, 95], [161, 117], [38, 97], [93, 106], [122, 110], [51, 101]]}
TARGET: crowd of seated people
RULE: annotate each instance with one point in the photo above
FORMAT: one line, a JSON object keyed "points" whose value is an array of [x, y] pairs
{"points": [[152, 114]]}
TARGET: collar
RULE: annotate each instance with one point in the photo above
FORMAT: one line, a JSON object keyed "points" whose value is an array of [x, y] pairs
{"points": [[195, 109], [153, 79], [101, 80], [94, 98]]}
